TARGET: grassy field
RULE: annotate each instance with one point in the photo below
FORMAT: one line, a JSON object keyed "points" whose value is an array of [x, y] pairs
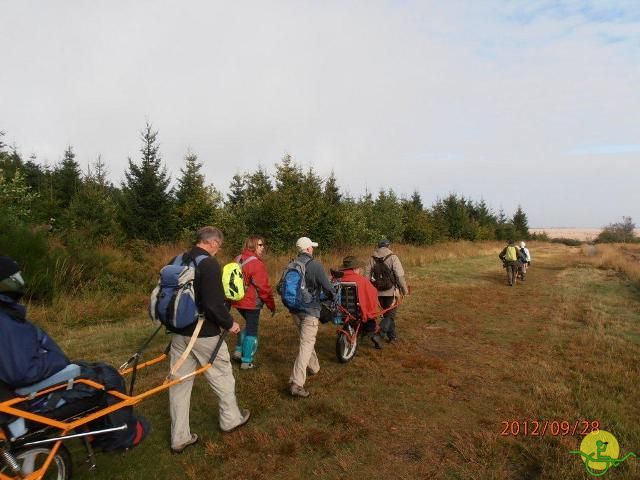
{"points": [[473, 353]]}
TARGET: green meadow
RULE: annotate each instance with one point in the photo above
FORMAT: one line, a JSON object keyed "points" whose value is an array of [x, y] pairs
{"points": [[473, 354]]}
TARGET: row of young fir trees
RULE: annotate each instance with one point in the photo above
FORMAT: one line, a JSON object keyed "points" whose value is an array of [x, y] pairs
{"points": [[291, 202]]}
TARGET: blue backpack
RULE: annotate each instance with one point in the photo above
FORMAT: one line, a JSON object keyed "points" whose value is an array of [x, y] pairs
{"points": [[173, 301], [292, 287]]}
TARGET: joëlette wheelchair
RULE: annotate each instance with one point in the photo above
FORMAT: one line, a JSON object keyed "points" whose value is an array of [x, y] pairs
{"points": [[32, 444], [344, 311]]}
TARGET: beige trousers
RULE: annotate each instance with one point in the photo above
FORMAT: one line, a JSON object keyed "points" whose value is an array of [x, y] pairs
{"points": [[220, 379], [308, 328]]}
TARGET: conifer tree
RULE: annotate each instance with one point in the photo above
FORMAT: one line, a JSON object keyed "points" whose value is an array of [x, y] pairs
{"points": [[93, 210], [520, 223], [196, 203], [67, 178], [387, 216], [146, 198], [237, 191], [257, 185], [416, 221]]}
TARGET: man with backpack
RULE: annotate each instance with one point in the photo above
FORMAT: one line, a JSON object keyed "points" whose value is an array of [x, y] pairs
{"points": [[385, 271], [302, 284], [511, 258], [210, 299]]}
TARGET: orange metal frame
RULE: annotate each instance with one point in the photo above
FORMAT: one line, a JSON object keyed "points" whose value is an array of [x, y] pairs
{"points": [[66, 427]]}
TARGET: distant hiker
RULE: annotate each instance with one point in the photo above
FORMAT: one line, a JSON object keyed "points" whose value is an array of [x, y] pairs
{"points": [[385, 271], [28, 356], [510, 256], [351, 271], [211, 300], [257, 293], [526, 256], [302, 284]]}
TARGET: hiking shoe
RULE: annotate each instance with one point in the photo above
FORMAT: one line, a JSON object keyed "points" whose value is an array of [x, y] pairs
{"points": [[180, 449], [377, 341], [298, 391], [247, 365], [245, 418], [311, 372], [237, 356]]}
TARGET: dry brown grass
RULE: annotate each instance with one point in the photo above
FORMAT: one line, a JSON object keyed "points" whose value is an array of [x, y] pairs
{"points": [[622, 258]]}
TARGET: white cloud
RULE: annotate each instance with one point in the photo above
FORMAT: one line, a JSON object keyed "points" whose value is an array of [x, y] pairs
{"points": [[483, 98]]}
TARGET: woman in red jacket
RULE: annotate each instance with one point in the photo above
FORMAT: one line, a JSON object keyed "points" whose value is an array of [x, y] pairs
{"points": [[257, 293]]}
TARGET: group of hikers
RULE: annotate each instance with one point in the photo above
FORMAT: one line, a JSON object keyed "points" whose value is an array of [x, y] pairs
{"points": [[29, 355], [516, 261]]}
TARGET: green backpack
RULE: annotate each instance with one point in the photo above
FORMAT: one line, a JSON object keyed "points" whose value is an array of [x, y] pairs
{"points": [[511, 254], [233, 281]]}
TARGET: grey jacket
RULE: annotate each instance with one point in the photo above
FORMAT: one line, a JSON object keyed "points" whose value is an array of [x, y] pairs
{"points": [[317, 282], [393, 262]]}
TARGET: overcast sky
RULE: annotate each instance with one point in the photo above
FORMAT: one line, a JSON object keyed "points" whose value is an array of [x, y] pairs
{"points": [[518, 102]]}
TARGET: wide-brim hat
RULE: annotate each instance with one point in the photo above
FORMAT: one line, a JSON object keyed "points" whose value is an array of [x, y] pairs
{"points": [[350, 262]]}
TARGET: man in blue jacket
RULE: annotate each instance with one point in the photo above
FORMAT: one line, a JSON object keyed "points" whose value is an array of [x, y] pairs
{"points": [[27, 354]]}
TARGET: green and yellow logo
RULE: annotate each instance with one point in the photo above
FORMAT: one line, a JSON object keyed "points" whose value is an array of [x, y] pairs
{"points": [[600, 451]]}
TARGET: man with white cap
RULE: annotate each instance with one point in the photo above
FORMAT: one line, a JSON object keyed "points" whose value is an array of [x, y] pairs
{"points": [[307, 319], [526, 258]]}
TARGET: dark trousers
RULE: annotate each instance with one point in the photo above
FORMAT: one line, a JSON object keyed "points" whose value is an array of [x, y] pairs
{"points": [[388, 324], [251, 318]]}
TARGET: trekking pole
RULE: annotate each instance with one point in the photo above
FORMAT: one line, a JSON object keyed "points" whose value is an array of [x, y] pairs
{"points": [[135, 358], [214, 354]]}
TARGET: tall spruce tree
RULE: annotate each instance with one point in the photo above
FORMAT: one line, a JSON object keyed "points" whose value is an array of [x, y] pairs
{"points": [[416, 221], [520, 223], [67, 178], [196, 203], [237, 191], [147, 205]]}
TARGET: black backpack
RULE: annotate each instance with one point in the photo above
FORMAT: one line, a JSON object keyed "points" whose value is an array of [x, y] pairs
{"points": [[382, 276]]}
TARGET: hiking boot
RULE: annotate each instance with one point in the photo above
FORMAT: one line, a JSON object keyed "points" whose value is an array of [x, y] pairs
{"points": [[377, 341], [247, 365], [245, 418], [298, 391], [180, 449], [237, 356]]}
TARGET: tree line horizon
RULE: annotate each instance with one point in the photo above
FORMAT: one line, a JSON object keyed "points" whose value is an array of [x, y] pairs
{"points": [[282, 206]]}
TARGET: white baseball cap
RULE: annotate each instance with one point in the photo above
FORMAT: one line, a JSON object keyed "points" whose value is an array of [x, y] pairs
{"points": [[305, 242]]}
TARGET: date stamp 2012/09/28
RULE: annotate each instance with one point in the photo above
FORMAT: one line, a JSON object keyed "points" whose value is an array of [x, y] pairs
{"points": [[555, 428]]}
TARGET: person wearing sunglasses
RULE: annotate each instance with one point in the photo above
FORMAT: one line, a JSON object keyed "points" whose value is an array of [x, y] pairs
{"points": [[258, 293]]}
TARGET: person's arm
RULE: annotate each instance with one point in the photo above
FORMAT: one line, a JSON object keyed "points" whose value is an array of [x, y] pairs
{"points": [[29, 355], [260, 280], [321, 279], [399, 273], [502, 254], [212, 298]]}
